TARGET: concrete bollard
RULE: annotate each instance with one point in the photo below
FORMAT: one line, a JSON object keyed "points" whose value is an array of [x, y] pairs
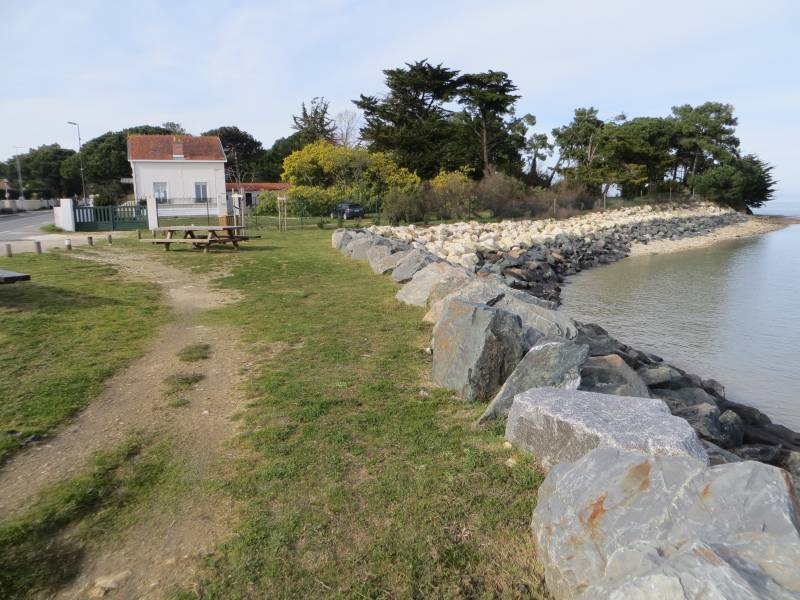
{"points": [[108, 237], [68, 244], [38, 246], [8, 251], [90, 240]]}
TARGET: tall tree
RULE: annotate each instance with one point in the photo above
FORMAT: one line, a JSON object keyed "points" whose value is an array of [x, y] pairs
{"points": [[105, 160], [174, 127], [487, 99], [313, 122], [347, 126], [41, 172], [242, 150], [411, 120], [706, 135]]}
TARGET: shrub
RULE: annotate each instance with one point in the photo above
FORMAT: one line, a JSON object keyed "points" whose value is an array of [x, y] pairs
{"points": [[452, 194], [404, 204], [504, 196]]}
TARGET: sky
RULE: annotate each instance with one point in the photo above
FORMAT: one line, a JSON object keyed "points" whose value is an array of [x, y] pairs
{"points": [[111, 65]]}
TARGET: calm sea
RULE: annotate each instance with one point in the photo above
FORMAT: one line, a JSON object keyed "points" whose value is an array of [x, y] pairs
{"points": [[731, 312]]}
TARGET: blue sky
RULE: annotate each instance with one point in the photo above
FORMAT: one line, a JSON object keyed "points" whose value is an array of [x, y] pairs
{"points": [[111, 65]]}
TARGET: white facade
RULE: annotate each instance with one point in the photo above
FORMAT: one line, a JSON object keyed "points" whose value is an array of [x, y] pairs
{"points": [[180, 178]]}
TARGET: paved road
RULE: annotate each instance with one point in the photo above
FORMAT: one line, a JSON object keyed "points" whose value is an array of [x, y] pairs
{"points": [[22, 226]]}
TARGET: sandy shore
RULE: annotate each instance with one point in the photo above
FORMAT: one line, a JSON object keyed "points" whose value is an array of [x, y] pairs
{"points": [[751, 227]]}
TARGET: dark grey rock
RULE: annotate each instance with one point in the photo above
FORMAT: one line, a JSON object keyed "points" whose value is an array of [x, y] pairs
{"points": [[717, 455], [475, 348], [732, 428], [760, 452], [558, 425], [661, 375], [681, 397], [552, 362], [610, 374]]}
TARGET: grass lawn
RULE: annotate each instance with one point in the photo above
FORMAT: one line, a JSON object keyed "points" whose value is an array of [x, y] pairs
{"points": [[362, 481], [356, 477], [61, 335]]}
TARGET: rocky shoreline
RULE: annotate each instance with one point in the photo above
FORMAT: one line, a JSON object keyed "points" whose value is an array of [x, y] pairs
{"points": [[537, 256], [496, 339]]}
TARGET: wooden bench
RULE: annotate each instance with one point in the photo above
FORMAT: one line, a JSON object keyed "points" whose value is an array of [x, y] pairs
{"points": [[13, 277]]}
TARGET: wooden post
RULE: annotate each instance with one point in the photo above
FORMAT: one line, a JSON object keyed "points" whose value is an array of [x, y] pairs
{"points": [[68, 243], [8, 251], [108, 237], [38, 246], [139, 234], [90, 239]]}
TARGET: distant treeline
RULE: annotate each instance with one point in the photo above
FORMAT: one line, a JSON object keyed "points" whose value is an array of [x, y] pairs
{"points": [[432, 121]]}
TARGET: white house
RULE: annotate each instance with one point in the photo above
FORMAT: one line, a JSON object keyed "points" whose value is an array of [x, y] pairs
{"points": [[177, 169]]}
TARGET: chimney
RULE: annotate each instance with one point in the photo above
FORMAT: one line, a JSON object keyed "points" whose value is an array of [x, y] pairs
{"points": [[177, 149]]}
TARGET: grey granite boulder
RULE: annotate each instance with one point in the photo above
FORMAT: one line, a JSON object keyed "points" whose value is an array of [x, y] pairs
{"points": [[530, 309], [361, 246], [375, 254], [552, 362], [339, 238], [621, 524], [388, 262], [561, 425], [610, 374], [434, 279], [414, 261], [475, 348]]}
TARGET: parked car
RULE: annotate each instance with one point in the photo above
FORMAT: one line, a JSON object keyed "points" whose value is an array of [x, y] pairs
{"points": [[347, 210]]}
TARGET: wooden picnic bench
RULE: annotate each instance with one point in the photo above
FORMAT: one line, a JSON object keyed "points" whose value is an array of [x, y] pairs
{"points": [[201, 236], [13, 277]]}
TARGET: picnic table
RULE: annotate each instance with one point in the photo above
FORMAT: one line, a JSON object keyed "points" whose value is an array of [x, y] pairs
{"points": [[13, 277], [201, 236]]}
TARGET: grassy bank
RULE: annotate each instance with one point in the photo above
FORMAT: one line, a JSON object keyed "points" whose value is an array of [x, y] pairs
{"points": [[362, 481], [44, 547], [61, 336]]}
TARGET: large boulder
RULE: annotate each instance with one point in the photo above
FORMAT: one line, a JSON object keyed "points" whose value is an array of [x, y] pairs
{"points": [[557, 425], [360, 248], [661, 375], [552, 362], [434, 280], [475, 348], [621, 524], [533, 311], [340, 238], [375, 254], [610, 374], [411, 263], [388, 262], [683, 397]]}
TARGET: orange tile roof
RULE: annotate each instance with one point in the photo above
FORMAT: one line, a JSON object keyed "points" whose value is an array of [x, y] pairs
{"points": [[257, 186], [162, 147]]}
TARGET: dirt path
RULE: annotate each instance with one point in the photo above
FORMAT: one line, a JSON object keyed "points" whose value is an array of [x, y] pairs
{"points": [[159, 550]]}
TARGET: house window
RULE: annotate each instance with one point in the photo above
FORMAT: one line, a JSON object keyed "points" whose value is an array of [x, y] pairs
{"points": [[201, 191], [160, 191]]}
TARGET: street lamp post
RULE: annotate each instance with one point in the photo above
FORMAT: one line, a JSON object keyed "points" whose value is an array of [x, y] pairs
{"points": [[19, 175], [80, 158]]}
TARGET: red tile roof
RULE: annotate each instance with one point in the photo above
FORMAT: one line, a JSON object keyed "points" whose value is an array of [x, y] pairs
{"points": [[257, 186], [164, 147]]}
